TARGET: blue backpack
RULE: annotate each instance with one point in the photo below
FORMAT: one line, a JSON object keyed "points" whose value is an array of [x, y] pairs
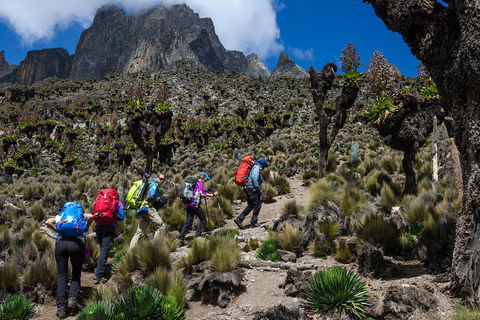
{"points": [[72, 223]]}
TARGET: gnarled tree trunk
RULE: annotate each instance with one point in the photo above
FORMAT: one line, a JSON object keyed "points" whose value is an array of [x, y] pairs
{"points": [[446, 39]]}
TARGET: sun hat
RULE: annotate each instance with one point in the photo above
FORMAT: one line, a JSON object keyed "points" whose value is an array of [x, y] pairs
{"points": [[205, 175], [262, 161]]}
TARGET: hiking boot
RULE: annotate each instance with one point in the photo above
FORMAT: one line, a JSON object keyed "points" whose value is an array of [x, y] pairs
{"points": [[73, 303], [61, 314], [238, 223], [99, 279], [181, 242], [255, 225]]}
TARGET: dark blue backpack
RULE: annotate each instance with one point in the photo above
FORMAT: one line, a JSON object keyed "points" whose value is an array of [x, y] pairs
{"points": [[72, 223]]}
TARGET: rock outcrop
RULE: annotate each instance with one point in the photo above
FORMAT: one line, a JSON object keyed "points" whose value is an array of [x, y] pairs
{"points": [[5, 67], [39, 65], [286, 67]]}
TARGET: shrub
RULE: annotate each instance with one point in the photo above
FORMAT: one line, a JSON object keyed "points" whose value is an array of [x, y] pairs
{"points": [[9, 276], [17, 307], [336, 290], [268, 250], [224, 232], [289, 237], [151, 254], [343, 252], [379, 232], [97, 310], [226, 255]]}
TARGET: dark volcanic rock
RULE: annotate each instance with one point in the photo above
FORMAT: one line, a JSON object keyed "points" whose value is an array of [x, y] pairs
{"points": [[5, 67], [287, 67], [39, 65]]}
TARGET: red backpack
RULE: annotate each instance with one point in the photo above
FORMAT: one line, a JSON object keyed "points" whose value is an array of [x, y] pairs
{"points": [[105, 206], [243, 170]]}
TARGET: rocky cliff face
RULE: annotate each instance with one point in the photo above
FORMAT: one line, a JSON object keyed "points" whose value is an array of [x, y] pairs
{"points": [[287, 67], [156, 39], [5, 67], [39, 65]]}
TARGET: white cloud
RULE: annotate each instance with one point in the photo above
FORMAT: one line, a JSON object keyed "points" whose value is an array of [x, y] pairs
{"points": [[244, 25], [302, 54]]}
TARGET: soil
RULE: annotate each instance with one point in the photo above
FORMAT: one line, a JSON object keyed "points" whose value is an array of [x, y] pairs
{"points": [[262, 290]]}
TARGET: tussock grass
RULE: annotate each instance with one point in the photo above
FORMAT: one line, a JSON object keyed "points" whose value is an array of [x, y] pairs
{"points": [[322, 193], [226, 255], [43, 270], [105, 293], [309, 173], [177, 288], [343, 254], [388, 164], [228, 191], [281, 183], [289, 237], [329, 230], [226, 206], [41, 242], [466, 313], [269, 191], [291, 208], [418, 207], [174, 215], [9, 276], [379, 232], [151, 254], [387, 196]]}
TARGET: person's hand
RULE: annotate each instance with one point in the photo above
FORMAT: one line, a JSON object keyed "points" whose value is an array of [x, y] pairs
{"points": [[215, 193]]}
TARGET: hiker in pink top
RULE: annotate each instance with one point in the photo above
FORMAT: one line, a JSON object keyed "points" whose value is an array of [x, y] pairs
{"points": [[194, 208]]}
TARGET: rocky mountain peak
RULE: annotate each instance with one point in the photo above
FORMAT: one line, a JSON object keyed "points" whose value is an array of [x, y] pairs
{"points": [[5, 67], [287, 67]]}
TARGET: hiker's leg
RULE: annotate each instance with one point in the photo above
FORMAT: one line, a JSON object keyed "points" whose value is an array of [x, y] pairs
{"points": [[249, 207], [142, 228], [188, 222], [61, 257], [257, 205], [107, 233], [77, 255], [154, 217], [201, 215]]}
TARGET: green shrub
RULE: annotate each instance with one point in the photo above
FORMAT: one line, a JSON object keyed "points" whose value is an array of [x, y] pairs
{"points": [[268, 250], [9, 276], [336, 290], [343, 254], [226, 254], [224, 232], [289, 237], [375, 230], [97, 310], [17, 307]]}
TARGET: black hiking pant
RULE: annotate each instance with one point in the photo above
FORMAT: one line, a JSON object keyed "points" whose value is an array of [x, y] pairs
{"points": [[192, 211], [65, 249], [253, 203], [105, 235]]}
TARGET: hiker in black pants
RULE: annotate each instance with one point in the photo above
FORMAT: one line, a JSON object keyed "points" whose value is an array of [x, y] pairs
{"points": [[252, 191], [194, 208], [65, 249]]}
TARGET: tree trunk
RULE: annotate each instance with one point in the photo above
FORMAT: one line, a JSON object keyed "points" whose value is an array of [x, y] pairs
{"points": [[435, 137], [408, 163], [148, 164], [445, 38], [322, 163], [457, 168]]}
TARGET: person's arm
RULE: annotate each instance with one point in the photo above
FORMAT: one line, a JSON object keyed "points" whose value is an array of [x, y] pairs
{"points": [[255, 176], [89, 218], [204, 192], [151, 192], [50, 223]]}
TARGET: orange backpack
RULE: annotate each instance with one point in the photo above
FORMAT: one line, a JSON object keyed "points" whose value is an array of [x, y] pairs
{"points": [[243, 170]]}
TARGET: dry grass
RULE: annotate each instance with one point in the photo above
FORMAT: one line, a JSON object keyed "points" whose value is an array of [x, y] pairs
{"points": [[289, 237], [226, 255], [151, 254]]}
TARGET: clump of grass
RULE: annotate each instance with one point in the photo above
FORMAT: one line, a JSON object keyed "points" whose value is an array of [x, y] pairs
{"points": [[343, 254], [309, 173], [9, 276], [174, 215], [38, 211], [281, 183], [226, 255], [228, 191], [388, 163], [224, 232], [322, 193], [151, 254], [336, 290], [17, 307], [291, 208], [375, 230], [319, 250], [169, 283], [43, 270], [331, 162], [418, 207], [198, 251], [466, 313], [268, 250], [226, 206], [108, 294], [269, 192], [41, 242], [387, 196], [329, 230], [289, 237]]}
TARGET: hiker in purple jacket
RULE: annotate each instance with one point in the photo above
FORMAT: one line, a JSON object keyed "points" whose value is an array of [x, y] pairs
{"points": [[194, 208]]}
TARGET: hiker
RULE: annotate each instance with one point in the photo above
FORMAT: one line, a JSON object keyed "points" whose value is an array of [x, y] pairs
{"points": [[194, 208], [147, 212], [106, 227], [73, 248], [252, 191]]}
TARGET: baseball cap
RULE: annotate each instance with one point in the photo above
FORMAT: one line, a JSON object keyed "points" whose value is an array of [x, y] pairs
{"points": [[204, 174], [262, 160]]}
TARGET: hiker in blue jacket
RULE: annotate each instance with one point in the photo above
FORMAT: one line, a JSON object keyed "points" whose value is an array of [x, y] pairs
{"points": [[105, 235], [147, 213], [252, 191]]}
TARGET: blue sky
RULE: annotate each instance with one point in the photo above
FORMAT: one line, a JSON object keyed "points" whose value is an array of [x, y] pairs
{"points": [[310, 32]]}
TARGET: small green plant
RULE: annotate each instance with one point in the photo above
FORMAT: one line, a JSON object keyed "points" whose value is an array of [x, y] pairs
{"points": [[97, 310], [17, 307], [336, 290], [268, 250], [380, 108], [104, 293], [430, 90], [224, 232]]}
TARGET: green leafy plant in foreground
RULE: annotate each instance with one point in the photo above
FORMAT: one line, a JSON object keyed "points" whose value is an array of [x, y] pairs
{"points": [[268, 250], [96, 310], [336, 290], [17, 307]]}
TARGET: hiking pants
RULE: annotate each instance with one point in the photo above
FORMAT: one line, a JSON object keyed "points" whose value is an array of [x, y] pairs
{"points": [[105, 235], [143, 222], [73, 249], [193, 211], [254, 203]]}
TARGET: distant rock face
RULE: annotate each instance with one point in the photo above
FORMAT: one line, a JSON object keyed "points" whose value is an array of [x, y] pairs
{"points": [[256, 68], [287, 67], [152, 40], [5, 67], [39, 65]]}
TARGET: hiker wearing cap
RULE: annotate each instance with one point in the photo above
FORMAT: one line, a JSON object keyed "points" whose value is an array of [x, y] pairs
{"points": [[194, 208], [148, 212], [252, 191]]}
